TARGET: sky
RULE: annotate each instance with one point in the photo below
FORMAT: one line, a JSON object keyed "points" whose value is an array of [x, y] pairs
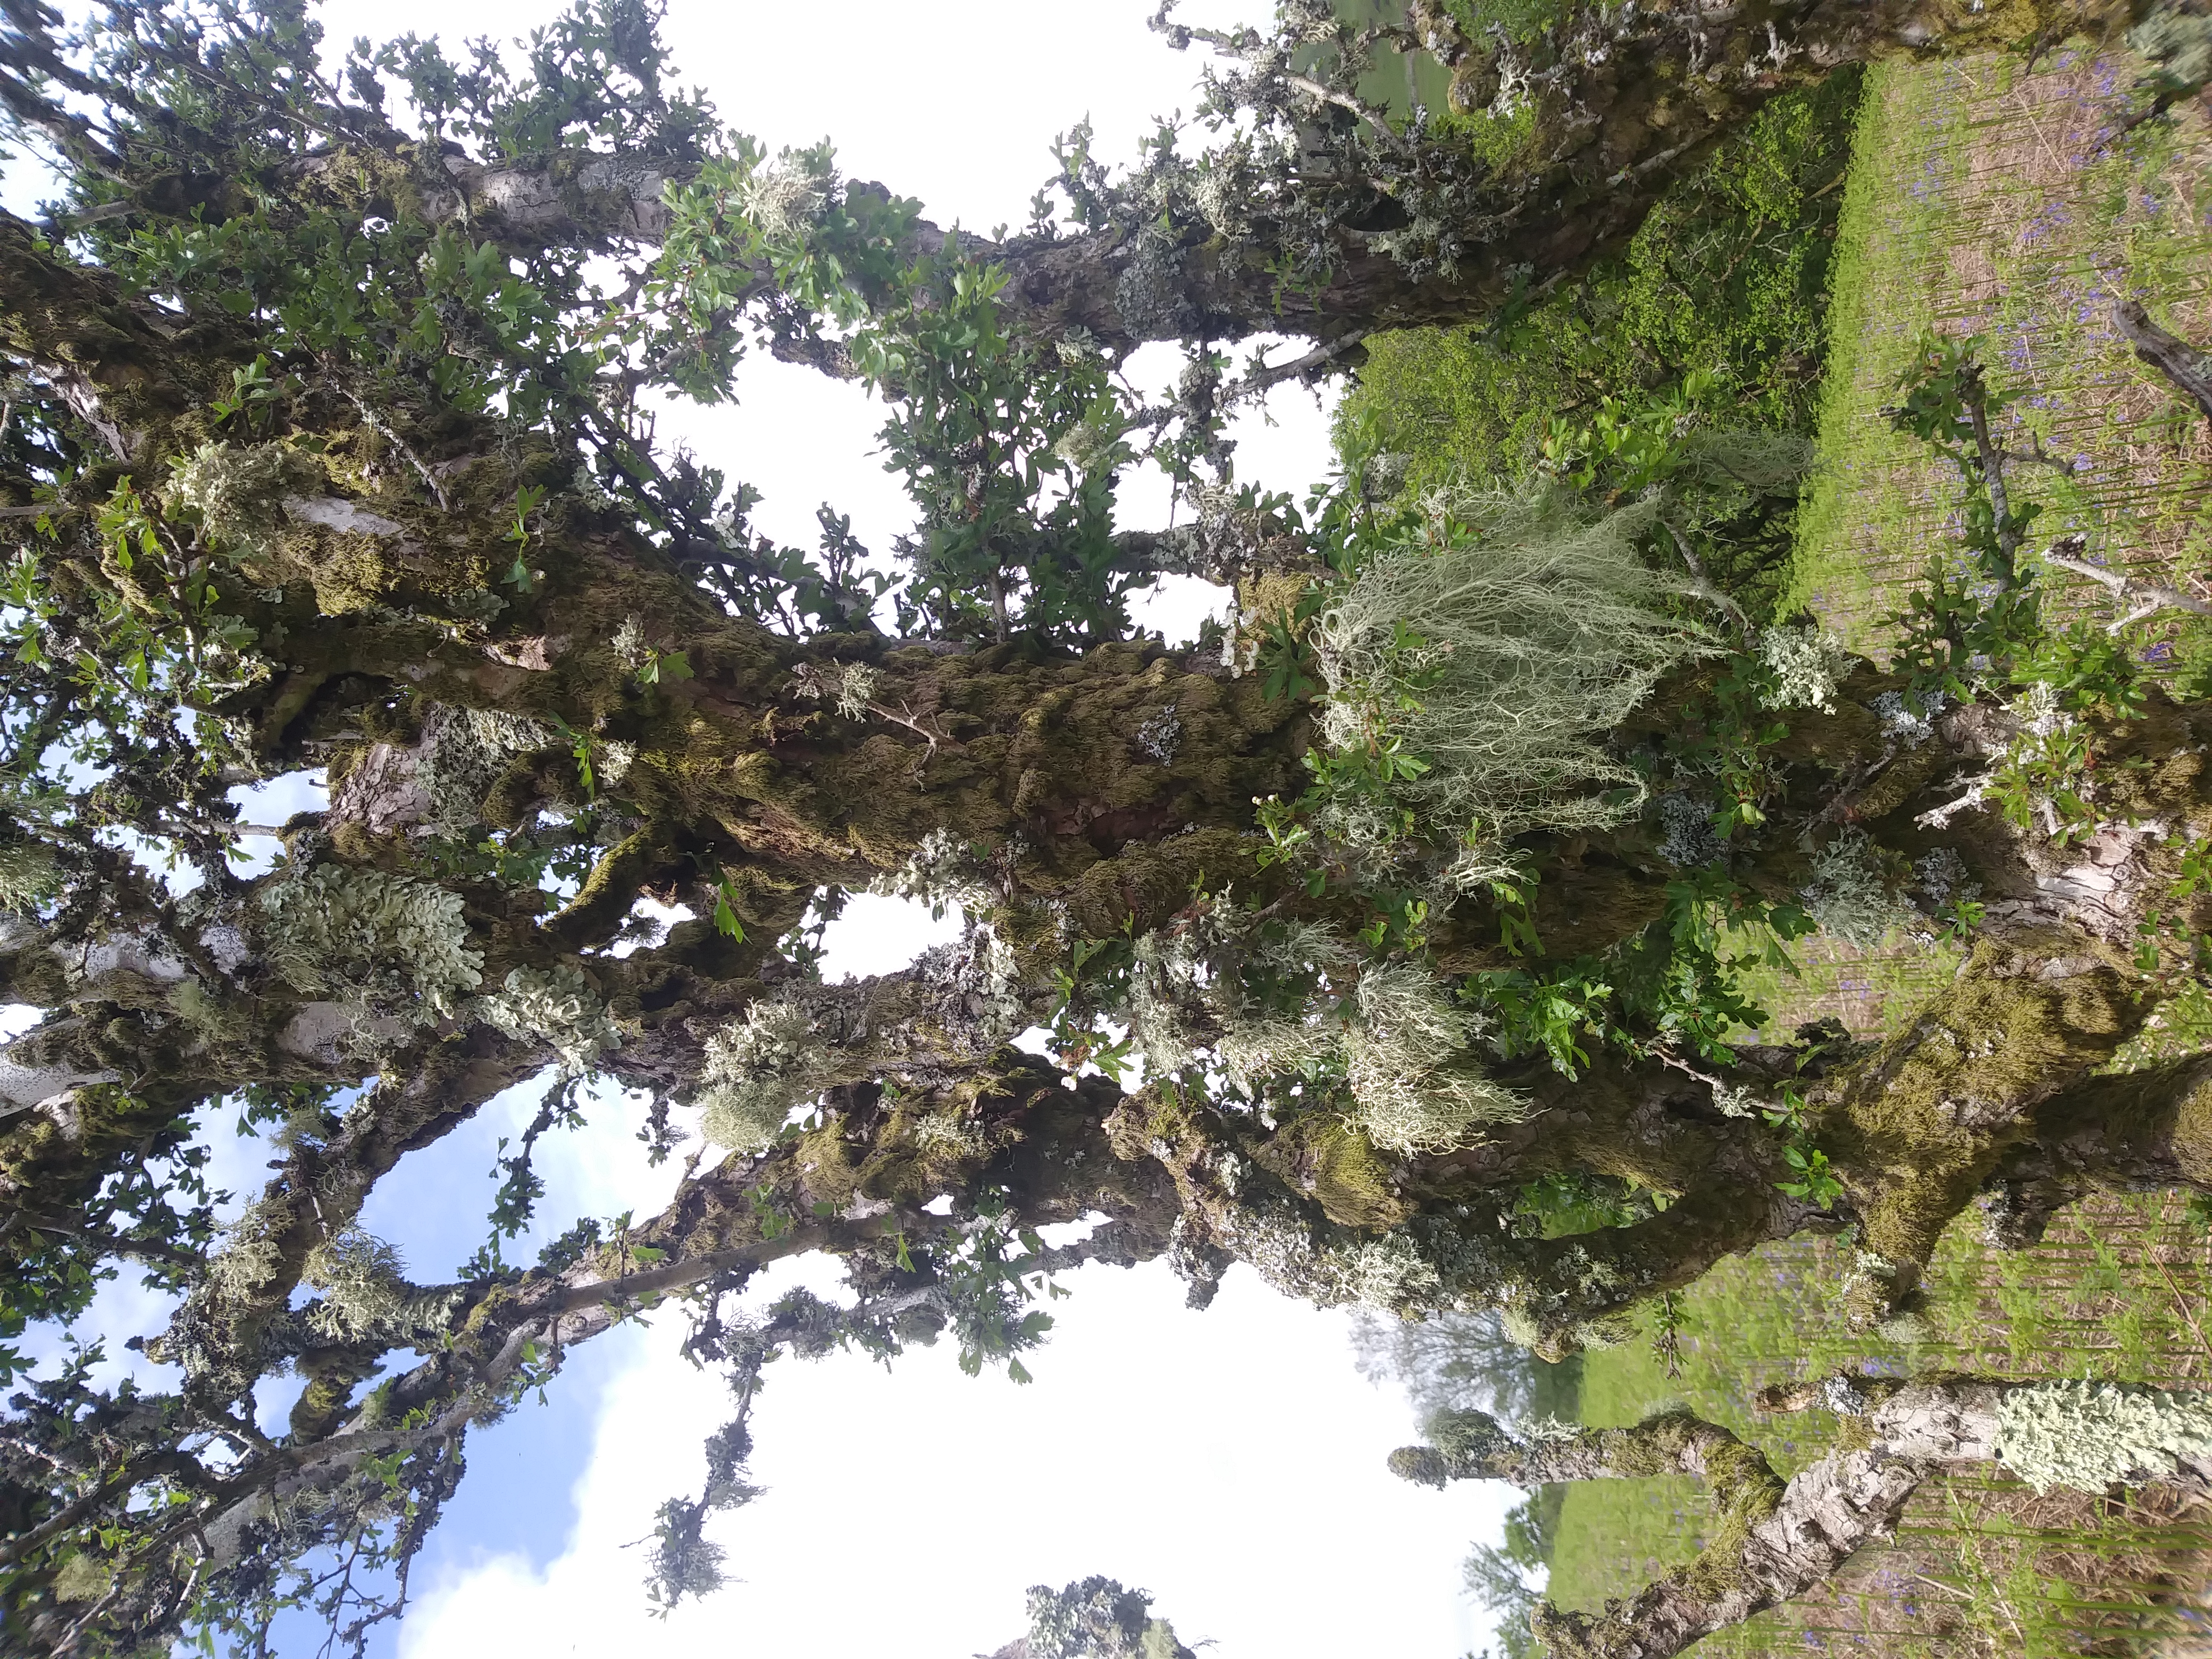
{"points": [[1231, 1462]]}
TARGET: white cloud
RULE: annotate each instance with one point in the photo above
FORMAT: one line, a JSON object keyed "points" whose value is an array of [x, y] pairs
{"points": [[1230, 1462]]}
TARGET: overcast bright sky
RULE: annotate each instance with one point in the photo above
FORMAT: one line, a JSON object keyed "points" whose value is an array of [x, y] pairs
{"points": [[1231, 1462]]}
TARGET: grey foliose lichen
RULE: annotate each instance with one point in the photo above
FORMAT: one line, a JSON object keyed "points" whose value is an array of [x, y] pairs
{"points": [[1160, 734], [979, 991], [1804, 668], [1686, 835], [1849, 896], [558, 1007], [2086, 1436], [1911, 720], [756, 1070], [942, 872], [465, 753], [383, 943]]}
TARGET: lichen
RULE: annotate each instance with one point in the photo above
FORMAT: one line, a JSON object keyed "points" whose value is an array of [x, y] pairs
{"points": [[1804, 667], [1096, 1618], [557, 1007], [363, 1291], [1501, 646], [1390, 1272], [942, 873], [783, 198], [28, 877], [1415, 1087], [359, 936], [1848, 896], [755, 1069], [2087, 1435], [238, 489], [248, 1257]]}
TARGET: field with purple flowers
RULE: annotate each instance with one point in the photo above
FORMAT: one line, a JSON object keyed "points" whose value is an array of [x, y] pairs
{"points": [[1985, 200]]}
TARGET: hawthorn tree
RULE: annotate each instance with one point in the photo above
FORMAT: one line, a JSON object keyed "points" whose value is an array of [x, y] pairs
{"points": [[327, 445]]}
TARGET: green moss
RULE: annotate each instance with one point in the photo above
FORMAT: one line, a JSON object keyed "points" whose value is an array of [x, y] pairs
{"points": [[1926, 1117], [1319, 1153]]}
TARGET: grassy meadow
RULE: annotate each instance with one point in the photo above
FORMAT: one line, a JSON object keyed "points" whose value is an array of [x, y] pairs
{"points": [[1981, 198]]}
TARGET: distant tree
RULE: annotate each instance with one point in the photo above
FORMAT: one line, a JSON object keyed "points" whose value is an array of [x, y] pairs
{"points": [[327, 443]]}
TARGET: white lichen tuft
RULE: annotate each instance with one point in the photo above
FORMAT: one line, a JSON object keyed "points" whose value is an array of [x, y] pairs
{"points": [[942, 872], [2086, 1436], [1910, 719], [363, 1291], [630, 646], [1804, 667], [1415, 1088], [1687, 837], [1849, 898], [848, 686], [784, 196], [364, 937], [1539, 631], [756, 1070], [559, 1007], [950, 1135], [616, 757]]}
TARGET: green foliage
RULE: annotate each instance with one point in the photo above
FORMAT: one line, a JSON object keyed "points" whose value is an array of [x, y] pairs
{"points": [[1726, 280]]}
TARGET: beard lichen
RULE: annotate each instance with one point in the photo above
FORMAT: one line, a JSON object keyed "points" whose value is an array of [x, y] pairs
{"points": [[1500, 645]]}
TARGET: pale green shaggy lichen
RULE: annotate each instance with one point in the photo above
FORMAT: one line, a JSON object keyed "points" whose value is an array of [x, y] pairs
{"points": [[362, 936], [1416, 1088], [238, 489], [558, 1006], [1539, 631], [755, 1069], [2087, 1435], [28, 877], [1848, 896], [360, 1278]]}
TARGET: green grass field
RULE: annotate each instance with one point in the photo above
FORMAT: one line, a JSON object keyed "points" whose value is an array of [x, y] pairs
{"points": [[2119, 1288], [1979, 203]]}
